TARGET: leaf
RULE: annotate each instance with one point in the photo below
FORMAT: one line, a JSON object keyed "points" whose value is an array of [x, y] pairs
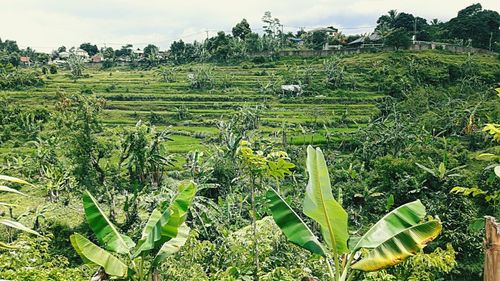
{"points": [[292, 225], [9, 189], [18, 226], [8, 205], [497, 171], [91, 253], [391, 224], [4, 246], [105, 231], [487, 157], [163, 226], [172, 246], [321, 206], [426, 169], [442, 170], [399, 247], [14, 180]]}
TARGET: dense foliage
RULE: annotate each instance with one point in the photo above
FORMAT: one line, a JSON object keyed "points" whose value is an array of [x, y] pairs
{"points": [[195, 165]]}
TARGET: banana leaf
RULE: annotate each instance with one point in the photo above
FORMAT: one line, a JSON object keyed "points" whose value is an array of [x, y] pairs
{"points": [[9, 189], [163, 225], [14, 180], [91, 253], [391, 224], [397, 248], [105, 231], [172, 246], [292, 225], [18, 226], [321, 206], [4, 246]]}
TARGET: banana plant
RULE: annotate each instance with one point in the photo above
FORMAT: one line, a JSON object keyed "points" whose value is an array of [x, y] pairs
{"points": [[12, 223], [397, 236], [164, 234]]}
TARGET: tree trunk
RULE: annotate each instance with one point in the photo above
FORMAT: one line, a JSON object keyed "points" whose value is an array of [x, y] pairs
{"points": [[492, 245]]}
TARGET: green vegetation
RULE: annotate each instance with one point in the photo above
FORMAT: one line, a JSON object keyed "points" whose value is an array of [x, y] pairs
{"points": [[192, 165]]}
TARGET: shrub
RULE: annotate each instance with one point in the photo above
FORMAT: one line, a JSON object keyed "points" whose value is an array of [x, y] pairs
{"points": [[53, 69]]}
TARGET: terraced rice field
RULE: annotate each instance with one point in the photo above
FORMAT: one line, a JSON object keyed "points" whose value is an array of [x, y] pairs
{"points": [[321, 114]]}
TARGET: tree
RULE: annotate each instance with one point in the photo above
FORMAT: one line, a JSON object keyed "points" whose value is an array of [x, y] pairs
{"points": [[317, 40], [177, 49], [89, 48], [125, 51], [388, 19], [219, 47], [271, 25], [474, 23], [398, 235], [151, 50], [163, 235], [241, 30], [108, 53], [399, 39], [76, 66]]}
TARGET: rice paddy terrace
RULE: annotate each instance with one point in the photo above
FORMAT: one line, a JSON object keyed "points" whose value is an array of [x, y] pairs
{"points": [[321, 114]]}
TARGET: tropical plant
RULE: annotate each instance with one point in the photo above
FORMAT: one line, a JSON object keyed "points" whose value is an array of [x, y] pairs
{"points": [[163, 235], [12, 223], [166, 73], [399, 234], [201, 78], [76, 66], [256, 165]]}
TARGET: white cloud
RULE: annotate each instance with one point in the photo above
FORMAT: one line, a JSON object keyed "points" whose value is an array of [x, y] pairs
{"points": [[45, 25]]}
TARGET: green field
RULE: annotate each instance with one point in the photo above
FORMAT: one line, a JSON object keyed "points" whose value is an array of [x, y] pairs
{"points": [[134, 95]]}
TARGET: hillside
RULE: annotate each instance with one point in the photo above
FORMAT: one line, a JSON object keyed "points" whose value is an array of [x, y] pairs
{"points": [[379, 118]]}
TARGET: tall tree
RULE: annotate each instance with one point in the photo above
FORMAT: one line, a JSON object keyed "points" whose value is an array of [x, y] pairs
{"points": [[151, 50], [89, 48], [242, 29]]}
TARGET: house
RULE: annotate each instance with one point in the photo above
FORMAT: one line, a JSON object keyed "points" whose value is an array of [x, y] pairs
{"points": [[138, 52], [64, 55], [330, 30], [373, 38], [97, 58], [82, 53], [298, 41], [25, 61]]}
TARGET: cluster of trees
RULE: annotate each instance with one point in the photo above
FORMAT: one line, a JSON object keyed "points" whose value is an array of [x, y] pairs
{"points": [[10, 54], [473, 26]]}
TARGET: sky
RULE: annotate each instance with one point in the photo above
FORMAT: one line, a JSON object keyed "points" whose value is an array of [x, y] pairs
{"points": [[47, 24]]}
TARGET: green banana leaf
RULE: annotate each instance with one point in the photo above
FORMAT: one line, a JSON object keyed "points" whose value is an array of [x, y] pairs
{"points": [[18, 226], [105, 231], [397, 248], [12, 190], [172, 246], [163, 226], [4, 246], [321, 206], [391, 224], [152, 231], [91, 253], [292, 225], [14, 180], [8, 205]]}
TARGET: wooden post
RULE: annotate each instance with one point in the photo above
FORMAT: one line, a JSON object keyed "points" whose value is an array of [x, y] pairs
{"points": [[492, 245]]}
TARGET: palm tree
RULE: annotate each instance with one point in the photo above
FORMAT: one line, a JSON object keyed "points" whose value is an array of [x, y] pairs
{"points": [[388, 19]]}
